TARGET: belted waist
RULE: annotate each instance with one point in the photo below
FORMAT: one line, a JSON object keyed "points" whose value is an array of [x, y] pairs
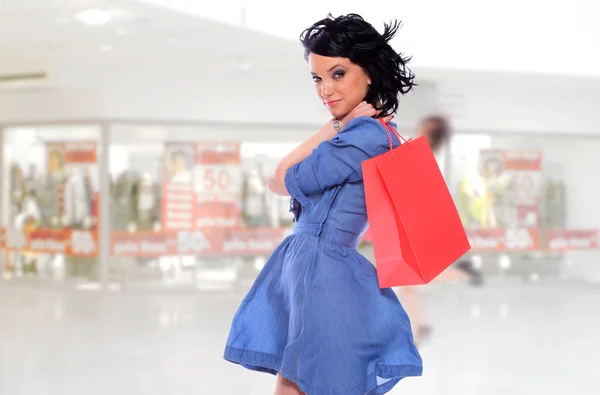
{"points": [[328, 232]]}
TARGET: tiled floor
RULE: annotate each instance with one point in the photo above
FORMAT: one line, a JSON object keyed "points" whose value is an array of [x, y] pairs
{"points": [[507, 338]]}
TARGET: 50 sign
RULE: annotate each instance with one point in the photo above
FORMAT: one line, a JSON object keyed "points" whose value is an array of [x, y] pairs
{"points": [[83, 243], [217, 179], [192, 242]]}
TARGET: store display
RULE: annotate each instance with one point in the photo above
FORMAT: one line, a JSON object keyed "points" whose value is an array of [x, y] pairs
{"points": [[553, 205], [254, 198], [78, 200], [205, 206], [124, 201], [178, 187], [17, 189], [148, 197], [49, 187], [218, 184]]}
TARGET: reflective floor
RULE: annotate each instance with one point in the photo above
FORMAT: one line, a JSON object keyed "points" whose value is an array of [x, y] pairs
{"points": [[508, 337]]}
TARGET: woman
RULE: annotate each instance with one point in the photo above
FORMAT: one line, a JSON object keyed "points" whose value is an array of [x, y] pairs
{"points": [[316, 316]]}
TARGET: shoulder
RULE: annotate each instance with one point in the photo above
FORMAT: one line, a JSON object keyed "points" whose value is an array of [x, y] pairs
{"points": [[367, 134], [363, 124]]}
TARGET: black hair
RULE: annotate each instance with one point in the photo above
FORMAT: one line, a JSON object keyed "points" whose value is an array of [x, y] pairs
{"points": [[439, 132], [350, 36]]}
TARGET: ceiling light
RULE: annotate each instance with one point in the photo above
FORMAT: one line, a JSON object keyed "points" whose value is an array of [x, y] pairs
{"points": [[93, 16]]}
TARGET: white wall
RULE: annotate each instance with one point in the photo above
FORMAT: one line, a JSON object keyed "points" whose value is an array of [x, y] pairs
{"points": [[479, 103], [549, 36], [519, 105], [275, 98]]}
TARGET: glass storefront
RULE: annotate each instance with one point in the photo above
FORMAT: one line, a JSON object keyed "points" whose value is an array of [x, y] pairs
{"points": [[188, 206], [50, 202], [528, 203]]}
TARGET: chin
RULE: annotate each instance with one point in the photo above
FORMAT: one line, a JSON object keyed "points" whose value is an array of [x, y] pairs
{"points": [[338, 114]]}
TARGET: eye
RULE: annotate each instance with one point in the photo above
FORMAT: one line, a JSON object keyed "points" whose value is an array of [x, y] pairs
{"points": [[338, 74], [316, 79]]}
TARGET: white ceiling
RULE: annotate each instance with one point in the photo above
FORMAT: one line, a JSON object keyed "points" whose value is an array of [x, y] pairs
{"points": [[43, 35], [547, 36]]}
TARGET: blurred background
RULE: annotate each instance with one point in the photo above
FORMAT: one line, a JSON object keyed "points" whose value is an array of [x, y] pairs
{"points": [[136, 139]]}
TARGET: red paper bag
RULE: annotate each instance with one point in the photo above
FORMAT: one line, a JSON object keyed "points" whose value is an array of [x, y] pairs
{"points": [[413, 221]]}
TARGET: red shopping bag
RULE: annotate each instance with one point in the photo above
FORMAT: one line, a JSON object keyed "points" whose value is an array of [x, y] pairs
{"points": [[413, 221]]}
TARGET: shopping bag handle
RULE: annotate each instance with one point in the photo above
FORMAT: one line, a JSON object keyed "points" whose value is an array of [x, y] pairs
{"points": [[390, 129]]}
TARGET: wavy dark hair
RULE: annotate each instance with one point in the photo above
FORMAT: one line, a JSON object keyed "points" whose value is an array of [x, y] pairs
{"points": [[350, 36]]}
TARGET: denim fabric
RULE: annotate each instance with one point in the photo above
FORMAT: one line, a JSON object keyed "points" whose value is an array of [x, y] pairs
{"points": [[316, 314]]}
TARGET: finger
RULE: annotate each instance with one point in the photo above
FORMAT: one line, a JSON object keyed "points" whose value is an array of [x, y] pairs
{"points": [[362, 105], [364, 110], [371, 112], [388, 119]]}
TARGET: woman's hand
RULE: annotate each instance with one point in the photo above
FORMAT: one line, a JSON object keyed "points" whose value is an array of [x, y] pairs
{"points": [[364, 109], [276, 182]]}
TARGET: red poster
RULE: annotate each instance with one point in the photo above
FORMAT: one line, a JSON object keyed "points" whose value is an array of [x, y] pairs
{"points": [[217, 185], [52, 241], [498, 239], [178, 187], [571, 239], [207, 241], [511, 184]]}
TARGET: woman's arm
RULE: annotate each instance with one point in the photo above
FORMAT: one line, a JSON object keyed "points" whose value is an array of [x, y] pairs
{"points": [[277, 180]]}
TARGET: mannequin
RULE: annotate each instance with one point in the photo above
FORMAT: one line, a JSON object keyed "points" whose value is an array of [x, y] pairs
{"points": [[254, 200], [77, 214], [553, 204], [17, 189], [27, 220], [124, 200], [78, 200], [147, 197]]}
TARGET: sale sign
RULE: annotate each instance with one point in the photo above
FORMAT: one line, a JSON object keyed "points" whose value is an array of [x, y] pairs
{"points": [[206, 241], [217, 184], [571, 239], [52, 241], [178, 186], [513, 185], [498, 239]]}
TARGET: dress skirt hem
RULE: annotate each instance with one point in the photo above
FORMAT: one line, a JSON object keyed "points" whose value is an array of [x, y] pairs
{"points": [[378, 382]]}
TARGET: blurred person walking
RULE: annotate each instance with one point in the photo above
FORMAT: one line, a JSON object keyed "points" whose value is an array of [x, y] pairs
{"points": [[436, 129]]}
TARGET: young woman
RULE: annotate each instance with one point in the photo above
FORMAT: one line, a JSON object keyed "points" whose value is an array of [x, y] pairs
{"points": [[315, 316]]}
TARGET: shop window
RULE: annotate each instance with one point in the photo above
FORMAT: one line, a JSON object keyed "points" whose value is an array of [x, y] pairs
{"points": [[50, 204]]}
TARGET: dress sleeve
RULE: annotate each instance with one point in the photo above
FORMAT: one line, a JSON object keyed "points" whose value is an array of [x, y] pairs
{"points": [[337, 161]]}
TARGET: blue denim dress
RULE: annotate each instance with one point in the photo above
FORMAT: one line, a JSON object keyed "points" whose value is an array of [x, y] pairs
{"points": [[316, 314]]}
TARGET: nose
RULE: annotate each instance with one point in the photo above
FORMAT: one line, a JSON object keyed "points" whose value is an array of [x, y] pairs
{"points": [[326, 89]]}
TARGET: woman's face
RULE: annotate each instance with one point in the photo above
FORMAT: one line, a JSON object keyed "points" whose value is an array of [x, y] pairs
{"points": [[341, 85]]}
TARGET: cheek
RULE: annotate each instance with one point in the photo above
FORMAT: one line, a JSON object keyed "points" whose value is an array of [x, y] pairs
{"points": [[354, 92]]}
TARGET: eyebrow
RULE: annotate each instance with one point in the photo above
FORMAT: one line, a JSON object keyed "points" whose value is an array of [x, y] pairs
{"points": [[337, 65]]}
